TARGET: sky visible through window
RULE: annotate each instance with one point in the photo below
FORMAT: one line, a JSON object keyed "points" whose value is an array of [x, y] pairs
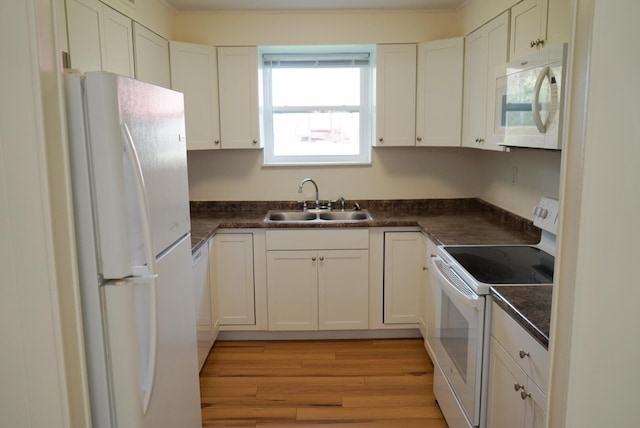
{"points": [[316, 111]]}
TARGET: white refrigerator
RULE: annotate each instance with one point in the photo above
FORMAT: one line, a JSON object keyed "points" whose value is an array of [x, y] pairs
{"points": [[131, 205]]}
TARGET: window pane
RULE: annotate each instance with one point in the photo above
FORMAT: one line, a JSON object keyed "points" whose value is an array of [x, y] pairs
{"points": [[316, 133], [316, 86]]}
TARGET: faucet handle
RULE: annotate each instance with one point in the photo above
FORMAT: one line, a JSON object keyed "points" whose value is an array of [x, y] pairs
{"points": [[356, 206]]}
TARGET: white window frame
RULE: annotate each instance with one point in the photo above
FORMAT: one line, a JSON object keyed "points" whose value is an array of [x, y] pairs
{"points": [[366, 106]]}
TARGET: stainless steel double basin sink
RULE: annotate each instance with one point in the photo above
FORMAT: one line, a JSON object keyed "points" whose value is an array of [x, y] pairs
{"points": [[284, 216]]}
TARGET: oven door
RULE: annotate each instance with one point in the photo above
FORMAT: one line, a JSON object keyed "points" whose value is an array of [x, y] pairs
{"points": [[457, 336]]}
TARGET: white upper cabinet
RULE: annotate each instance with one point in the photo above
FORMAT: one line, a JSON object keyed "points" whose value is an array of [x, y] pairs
{"points": [[238, 95], [528, 27], [485, 49], [151, 57], [118, 43], [100, 38], [194, 72], [439, 93], [395, 95]]}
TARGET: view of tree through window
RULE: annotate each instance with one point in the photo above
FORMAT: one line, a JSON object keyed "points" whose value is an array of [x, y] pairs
{"points": [[316, 108]]}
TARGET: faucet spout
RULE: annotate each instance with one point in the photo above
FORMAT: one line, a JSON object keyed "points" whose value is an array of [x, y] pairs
{"points": [[317, 192]]}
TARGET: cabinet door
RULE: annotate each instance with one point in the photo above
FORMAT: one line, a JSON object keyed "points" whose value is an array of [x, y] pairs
{"points": [[238, 92], [214, 301], [202, 294], [486, 48], [343, 289], [535, 407], [194, 72], [292, 290], [402, 277], [475, 88], [439, 93], [151, 56], [528, 27], [234, 278], [505, 406], [428, 292], [118, 43], [395, 95], [85, 27]]}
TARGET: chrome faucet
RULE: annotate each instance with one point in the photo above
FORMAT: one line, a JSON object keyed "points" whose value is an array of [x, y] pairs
{"points": [[317, 192], [341, 202]]}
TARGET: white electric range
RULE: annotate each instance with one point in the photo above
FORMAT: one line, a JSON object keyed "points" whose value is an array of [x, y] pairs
{"points": [[460, 337]]}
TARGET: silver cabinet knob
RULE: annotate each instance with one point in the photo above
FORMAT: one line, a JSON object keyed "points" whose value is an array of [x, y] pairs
{"points": [[536, 43], [523, 354], [425, 268], [524, 394], [419, 139], [321, 258], [255, 141], [517, 386], [381, 140], [313, 259], [216, 142]]}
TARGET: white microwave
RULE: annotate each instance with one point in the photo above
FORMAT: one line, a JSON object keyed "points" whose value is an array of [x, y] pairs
{"points": [[530, 99]]}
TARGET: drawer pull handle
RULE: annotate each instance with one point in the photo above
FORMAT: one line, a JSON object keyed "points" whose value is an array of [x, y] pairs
{"points": [[517, 386], [523, 354], [524, 394], [313, 259]]}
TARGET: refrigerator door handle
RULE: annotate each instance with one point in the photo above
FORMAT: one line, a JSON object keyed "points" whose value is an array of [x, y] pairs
{"points": [[143, 203], [143, 207]]}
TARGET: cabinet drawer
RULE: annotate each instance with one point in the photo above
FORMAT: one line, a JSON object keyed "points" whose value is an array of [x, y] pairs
{"points": [[516, 341], [325, 239]]}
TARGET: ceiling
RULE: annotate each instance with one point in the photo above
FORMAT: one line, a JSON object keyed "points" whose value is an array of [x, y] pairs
{"points": [[218, 5]]}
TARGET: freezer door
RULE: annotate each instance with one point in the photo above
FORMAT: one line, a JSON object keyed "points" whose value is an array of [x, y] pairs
{"points": [[123, 113], [151, 337]]}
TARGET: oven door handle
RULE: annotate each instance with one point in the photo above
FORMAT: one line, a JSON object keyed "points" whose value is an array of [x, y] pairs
{"points": [[453, 285]]}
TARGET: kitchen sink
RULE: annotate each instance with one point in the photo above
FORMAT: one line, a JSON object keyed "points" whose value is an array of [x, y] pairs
{"points": [[317, 216], [344, 215], [291, 216]]}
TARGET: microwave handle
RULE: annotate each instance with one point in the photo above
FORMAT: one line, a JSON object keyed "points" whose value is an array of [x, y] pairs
{"points": [[535, 107]]}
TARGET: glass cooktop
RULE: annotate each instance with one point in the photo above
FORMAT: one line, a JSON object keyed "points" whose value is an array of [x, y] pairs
{"points": [[505, 264]]}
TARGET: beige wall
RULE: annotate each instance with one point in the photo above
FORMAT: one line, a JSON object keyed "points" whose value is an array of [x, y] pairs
{"points": [[395, 172], [271, 28]]}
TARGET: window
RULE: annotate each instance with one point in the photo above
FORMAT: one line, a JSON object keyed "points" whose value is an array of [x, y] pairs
{"points": [[317, 104]]}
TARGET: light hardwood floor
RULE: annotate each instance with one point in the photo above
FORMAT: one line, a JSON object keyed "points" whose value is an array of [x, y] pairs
{"points": [[337, 383]]}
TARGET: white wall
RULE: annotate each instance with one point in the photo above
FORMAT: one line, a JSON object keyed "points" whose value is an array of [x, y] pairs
{"points": [[41, 368], [595, 371]]}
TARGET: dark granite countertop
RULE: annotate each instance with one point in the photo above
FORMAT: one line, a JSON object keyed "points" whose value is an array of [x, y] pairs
{"points": [[446, 221], [530, 306]]}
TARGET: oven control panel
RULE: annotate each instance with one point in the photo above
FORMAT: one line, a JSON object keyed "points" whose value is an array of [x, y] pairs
{"points": [[545, 215]]}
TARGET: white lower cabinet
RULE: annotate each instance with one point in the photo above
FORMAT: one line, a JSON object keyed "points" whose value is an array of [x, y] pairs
{"points": [[428, 309], [233, 275], [202, 293], [314, 283], [518, 368], [402, 277]]}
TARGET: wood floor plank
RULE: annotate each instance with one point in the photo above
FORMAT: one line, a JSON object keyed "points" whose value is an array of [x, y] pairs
{"points": [[334, 383]]}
